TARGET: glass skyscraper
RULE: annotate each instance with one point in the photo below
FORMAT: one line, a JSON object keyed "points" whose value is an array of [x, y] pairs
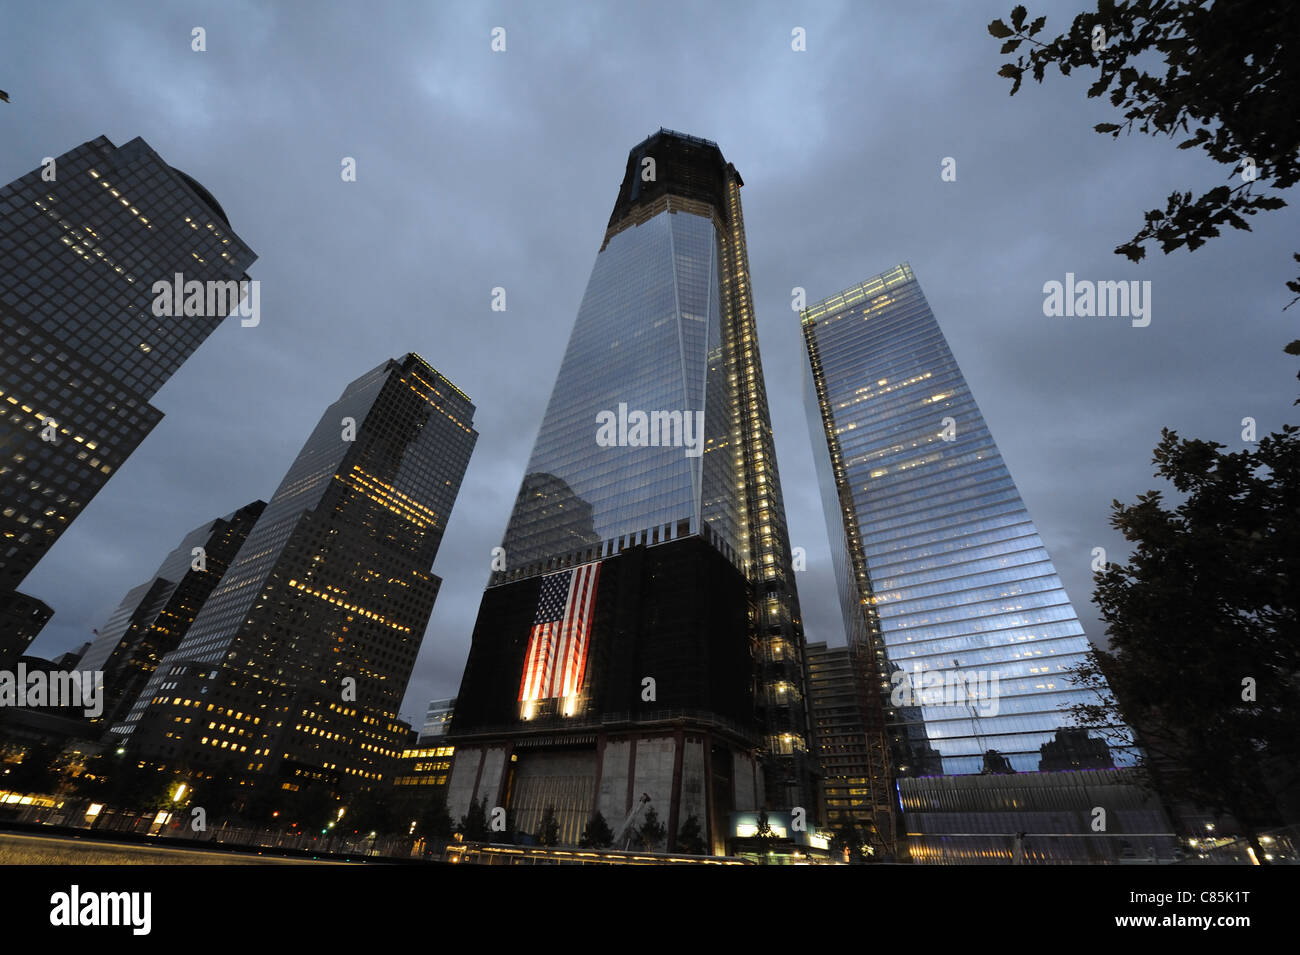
{"points": [[155, 616], [945, 585], [84, 239], [305, 648], [646, 330], [647, 541]]}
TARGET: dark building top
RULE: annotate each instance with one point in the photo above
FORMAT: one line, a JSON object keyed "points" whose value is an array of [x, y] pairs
{"points": [[203, 194], [21, 618], [684, 166]]}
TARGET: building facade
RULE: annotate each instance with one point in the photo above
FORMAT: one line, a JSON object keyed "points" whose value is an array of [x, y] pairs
{"points": [[945, 585], [437, 719], [836, 692], [420, 782], [294, 669], [155, 616], [85, 240], [641, 634], [21, 619], [1041, 818]]}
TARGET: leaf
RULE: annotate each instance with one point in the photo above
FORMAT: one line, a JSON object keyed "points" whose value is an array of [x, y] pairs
{"points": [[1037, 25], [1018, 17], [1107, 127], [1000, 30], [1132, 251], [1010, 46], [1011, 71]]}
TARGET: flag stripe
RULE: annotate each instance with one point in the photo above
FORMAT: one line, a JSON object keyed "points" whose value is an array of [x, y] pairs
{"points": [[579, 669], [564, 639], [555, 661], [570, 638]]}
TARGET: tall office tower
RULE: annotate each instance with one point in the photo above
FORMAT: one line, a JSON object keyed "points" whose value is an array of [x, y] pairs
{"points": [[84, 239], [835, 693], [154, 617], [296, 665], [945, 585], [640, 634]]}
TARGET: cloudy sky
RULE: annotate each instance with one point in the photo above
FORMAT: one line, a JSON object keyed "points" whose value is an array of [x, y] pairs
{"points": [[479, 169]]}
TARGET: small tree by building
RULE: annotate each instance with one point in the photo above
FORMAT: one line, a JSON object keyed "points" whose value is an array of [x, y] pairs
{"points": [[124, 783], [473, 825], [764, 834], [597, 834], [218, 792], [548, 833], [690, 839], [652, 831], [848, 839], [371, 810], [37, 772], [314, 808], [434, 822]]}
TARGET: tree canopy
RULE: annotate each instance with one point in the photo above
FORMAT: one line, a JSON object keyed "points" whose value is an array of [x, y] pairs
{"points": [[1204, 657], [1230, 84]]}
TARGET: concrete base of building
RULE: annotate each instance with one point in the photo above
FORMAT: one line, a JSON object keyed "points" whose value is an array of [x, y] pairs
{"points": [[681, 771]]}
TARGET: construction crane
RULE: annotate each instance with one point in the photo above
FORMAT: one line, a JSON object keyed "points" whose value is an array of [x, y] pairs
{"points": [[625, 832]]}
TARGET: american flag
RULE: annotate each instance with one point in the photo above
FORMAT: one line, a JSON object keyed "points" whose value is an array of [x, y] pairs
{"points": [[556, 661]]}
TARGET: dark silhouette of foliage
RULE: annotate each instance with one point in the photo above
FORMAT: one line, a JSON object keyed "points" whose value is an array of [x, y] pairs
{"points": [[1204, 642], [597, 834], [848, 836], [1230, 84], [548, 832], [371, 810], [474, 824], [37, 773], [218, 793], [652, 831], [690, 839], [121, 782], [434, 822], [314, 808]]}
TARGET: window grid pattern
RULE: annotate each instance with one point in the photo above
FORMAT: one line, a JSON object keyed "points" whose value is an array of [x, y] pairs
{"points": [[945, 569]]}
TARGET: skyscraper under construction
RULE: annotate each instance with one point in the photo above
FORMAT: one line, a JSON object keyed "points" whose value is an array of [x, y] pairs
{"points": [[639, 644]]}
